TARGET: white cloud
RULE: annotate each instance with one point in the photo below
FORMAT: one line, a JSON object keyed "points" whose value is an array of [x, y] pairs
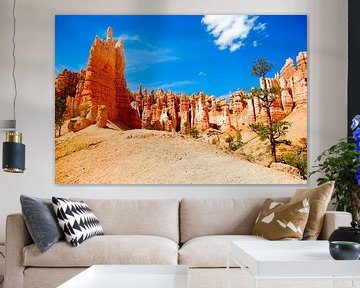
{"points": [[260, 27], [176, 84], [136, 39], [127, 37], [124, 36], [229, 31], [203, 74], [140, 59], [255, 43], [236, 46]]}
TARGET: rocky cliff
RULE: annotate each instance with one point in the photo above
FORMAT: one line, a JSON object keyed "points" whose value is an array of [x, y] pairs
{"points": [[291, 83], [100, 86], [100, 92], [104, 76], [67, 84], [168, 111]]}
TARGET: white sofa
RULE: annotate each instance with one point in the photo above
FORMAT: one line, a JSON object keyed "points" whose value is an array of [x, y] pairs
{"points": [[194, 232]]}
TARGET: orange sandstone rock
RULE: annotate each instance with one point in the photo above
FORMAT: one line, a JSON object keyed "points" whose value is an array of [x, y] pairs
{"points": [[102, 116]]}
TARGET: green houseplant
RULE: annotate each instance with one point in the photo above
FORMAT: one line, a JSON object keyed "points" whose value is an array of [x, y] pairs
{"points": [[341, 163]]}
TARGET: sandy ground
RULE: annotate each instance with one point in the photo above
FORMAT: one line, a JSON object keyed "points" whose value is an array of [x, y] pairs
{"points": [[106, 156]]}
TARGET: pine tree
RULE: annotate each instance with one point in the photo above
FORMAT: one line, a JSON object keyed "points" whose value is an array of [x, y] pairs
{"points": [[60, 108], [273, 130]]}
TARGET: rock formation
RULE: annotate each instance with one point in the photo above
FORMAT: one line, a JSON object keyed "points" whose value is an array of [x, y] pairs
{"points": [[67, 85], [99, 93], [101, 116], [201, 111], [292, 83], [102, 83]]}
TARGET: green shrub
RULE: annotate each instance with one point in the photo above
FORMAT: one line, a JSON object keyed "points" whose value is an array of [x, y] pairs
{"points": [[298, 158], [249, 157], [194, 132], [187, 128], [234, 142], [147, 126]]}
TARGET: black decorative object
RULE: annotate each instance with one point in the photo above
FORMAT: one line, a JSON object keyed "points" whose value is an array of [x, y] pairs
{"points": [[13, 153], [344, 250], [344, 233]]}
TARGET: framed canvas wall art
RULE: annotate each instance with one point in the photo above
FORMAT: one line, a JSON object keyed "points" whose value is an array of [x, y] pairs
{"points": [[180, 99]]}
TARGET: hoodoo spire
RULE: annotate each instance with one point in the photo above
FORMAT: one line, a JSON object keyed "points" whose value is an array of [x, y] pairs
{"points": [[109, 34]]}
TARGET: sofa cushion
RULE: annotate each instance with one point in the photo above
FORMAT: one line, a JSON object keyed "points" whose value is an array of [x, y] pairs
{"points": [[319, 198], [77, 220], [201, 217], [158, 217], [41, 221], [107, 249], [211, 251], [279, 221]]}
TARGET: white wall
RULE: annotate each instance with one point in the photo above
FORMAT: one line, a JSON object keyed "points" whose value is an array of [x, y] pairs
{"points": [[327, 48]]}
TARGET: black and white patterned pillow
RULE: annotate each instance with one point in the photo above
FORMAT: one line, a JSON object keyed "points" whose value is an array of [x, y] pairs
{"points": [[77, 220]]}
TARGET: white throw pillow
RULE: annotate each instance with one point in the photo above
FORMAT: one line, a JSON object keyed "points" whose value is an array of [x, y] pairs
{"points": [[76, 220]]}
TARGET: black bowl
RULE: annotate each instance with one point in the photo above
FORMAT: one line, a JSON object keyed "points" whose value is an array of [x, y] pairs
{"points": [[344, 250]]}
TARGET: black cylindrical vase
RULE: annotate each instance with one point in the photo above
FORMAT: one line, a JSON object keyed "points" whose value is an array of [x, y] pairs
{"points": [[13, 153]]}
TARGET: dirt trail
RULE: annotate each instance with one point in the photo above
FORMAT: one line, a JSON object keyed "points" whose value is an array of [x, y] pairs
{"points": [[105, 156]]}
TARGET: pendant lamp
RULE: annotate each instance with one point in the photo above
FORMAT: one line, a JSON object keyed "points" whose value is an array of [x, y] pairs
{"points": [[13, 157]]}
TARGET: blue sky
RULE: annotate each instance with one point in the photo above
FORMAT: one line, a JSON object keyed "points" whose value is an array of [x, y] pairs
{"points": [[211, 53]]}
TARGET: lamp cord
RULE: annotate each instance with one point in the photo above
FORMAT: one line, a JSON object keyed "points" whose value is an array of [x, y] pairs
{"points": [[14, 61]]}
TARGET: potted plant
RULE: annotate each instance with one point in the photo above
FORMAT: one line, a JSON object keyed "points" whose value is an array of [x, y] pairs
{"points": [[341, 163]]}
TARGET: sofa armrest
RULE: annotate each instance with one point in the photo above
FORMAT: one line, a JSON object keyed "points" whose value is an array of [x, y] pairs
{"points": [[17, 237], [333, 220]]}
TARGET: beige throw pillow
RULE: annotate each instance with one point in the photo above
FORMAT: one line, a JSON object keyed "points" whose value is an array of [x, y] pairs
{"points": [[319, 198], [279, 221]]}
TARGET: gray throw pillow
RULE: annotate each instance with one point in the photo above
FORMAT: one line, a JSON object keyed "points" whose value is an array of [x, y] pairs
{"points": [[41, 221]]}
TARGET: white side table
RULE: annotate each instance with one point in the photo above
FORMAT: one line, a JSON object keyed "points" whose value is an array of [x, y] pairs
{"points": [[296, 262]]}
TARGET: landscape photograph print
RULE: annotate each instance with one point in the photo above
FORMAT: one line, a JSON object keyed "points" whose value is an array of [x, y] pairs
{"points": [[181, 99]]}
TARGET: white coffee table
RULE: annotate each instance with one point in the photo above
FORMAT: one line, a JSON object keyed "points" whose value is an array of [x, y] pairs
{"points": [[131, 276], [292, 260]]}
